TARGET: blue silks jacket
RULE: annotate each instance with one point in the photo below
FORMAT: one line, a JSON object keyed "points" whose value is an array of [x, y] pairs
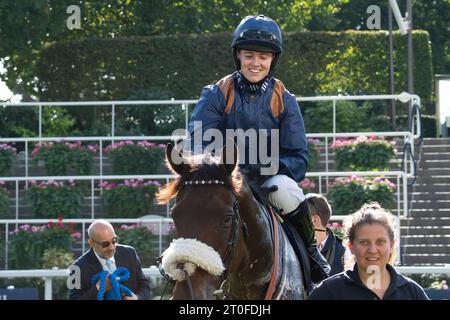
{"points": [[229, 104]]}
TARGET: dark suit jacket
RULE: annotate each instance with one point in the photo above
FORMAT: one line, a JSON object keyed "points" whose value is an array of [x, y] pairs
{"points": [[334, 251], [126, 257]]}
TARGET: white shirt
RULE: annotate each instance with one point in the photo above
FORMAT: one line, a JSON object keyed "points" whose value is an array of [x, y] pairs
{"points": [[322, 244]]}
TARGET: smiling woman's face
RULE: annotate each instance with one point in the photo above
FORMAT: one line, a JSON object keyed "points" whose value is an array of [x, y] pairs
{"points": [[255, 65], [371, 246]]}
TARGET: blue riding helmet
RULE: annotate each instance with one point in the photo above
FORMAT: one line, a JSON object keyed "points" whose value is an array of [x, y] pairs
{"points": [[257, 33]]}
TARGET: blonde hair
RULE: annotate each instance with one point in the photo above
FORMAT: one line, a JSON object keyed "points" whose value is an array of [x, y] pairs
{"points": [[371, 213]]}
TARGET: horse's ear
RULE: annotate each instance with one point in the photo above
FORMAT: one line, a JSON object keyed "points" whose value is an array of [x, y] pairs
{"points": [[229, 156], [175, 160]]}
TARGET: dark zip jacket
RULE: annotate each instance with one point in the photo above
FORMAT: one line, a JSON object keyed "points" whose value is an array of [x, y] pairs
{"points": [[348, 286], [230, 104]]}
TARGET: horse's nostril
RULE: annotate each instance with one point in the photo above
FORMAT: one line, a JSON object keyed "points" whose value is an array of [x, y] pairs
{"points": [[180, 265]]}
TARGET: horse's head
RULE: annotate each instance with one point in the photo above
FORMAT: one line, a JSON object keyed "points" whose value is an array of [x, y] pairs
{"points": [[208, 223]]}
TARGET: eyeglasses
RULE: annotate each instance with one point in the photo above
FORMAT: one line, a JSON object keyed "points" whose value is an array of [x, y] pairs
{"points": [[258, 34], [105, 244]]}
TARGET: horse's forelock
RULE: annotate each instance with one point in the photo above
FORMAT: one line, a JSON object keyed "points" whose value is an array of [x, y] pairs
{"points": [[200, 167]]}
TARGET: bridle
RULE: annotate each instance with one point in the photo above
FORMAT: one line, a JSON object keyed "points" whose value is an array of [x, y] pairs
{"points": [[230, 249]]}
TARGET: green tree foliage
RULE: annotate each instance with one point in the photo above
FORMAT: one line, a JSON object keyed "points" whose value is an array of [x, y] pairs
{"points": [[433, 16], [27, 25]]}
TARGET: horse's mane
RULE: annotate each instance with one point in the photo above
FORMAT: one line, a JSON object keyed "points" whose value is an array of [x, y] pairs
{"points": [[200, 167]]}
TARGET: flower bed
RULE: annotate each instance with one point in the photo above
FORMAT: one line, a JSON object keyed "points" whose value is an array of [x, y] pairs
{"points": [[131, 198], [130, 157], [60, 157], [145, 240], [348, 194], [363, 154], [7, 157], [54, 199], [307, 185], [337, 229], [29, 243]]}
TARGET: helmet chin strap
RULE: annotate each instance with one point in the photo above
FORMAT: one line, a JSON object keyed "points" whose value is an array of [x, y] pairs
{"points": [[253, 86]]}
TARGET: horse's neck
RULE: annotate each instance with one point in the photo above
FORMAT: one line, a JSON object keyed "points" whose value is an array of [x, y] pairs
{"points": [[256, 266]]}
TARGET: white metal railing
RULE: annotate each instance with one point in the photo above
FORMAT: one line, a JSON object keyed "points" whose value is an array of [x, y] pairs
{"points": [[160, 221], [92, 179], [100, 141], [182, 103], [403, 97], [400, 177], [406, 135], [49, 274]]}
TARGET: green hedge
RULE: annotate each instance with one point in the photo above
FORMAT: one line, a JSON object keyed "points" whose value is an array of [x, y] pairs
{"points": [[312, 63]]}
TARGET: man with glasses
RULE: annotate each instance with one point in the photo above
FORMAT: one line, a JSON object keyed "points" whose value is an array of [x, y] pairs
{"points": [[106, 254]]}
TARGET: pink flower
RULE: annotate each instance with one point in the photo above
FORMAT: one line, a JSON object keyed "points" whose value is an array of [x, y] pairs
{"points": [[76, 235]]}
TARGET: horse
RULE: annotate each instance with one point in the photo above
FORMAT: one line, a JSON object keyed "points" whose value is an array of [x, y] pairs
{"points": [[229, 245]]}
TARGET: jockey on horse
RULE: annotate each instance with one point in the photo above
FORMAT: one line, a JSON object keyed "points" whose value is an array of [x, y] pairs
{"points": [[252, 99]]}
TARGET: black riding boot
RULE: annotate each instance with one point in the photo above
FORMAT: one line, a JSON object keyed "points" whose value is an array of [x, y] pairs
{"points": [[301, 218]]}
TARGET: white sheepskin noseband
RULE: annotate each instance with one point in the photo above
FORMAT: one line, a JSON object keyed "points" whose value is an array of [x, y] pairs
{"points": [[190, 253]]}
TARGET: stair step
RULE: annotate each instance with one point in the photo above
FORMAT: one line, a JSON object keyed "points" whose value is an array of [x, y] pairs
{"points": [[435, 180], [426, 239], [423, 187], [435, 148], [436, 141], [426, 259], [425, 221], [425, 230], [434, 196], [430, 204], [430, 212], [426, 249], [434, 167], [438, 155]]}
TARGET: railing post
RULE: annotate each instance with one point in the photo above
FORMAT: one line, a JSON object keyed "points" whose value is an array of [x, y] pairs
{"points": [[327, 160], [83, 236], [405, 195], [17, 199], [6, 244], [168, 203], [26, 162], [398, 196], [334, 120], [40, 122], [101, 158], [187, 116], [113, 116], [48, 288], [160, 238], [92, 199]]}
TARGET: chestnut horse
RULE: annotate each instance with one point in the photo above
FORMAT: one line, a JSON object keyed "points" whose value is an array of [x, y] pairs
{"points": [[229, 246]]}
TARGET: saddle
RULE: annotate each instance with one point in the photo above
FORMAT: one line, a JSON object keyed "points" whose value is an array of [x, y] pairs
{"points": [[292, 235]]}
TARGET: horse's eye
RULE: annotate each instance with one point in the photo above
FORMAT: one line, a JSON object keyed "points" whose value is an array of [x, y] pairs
{"points": [[227, 221]]}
